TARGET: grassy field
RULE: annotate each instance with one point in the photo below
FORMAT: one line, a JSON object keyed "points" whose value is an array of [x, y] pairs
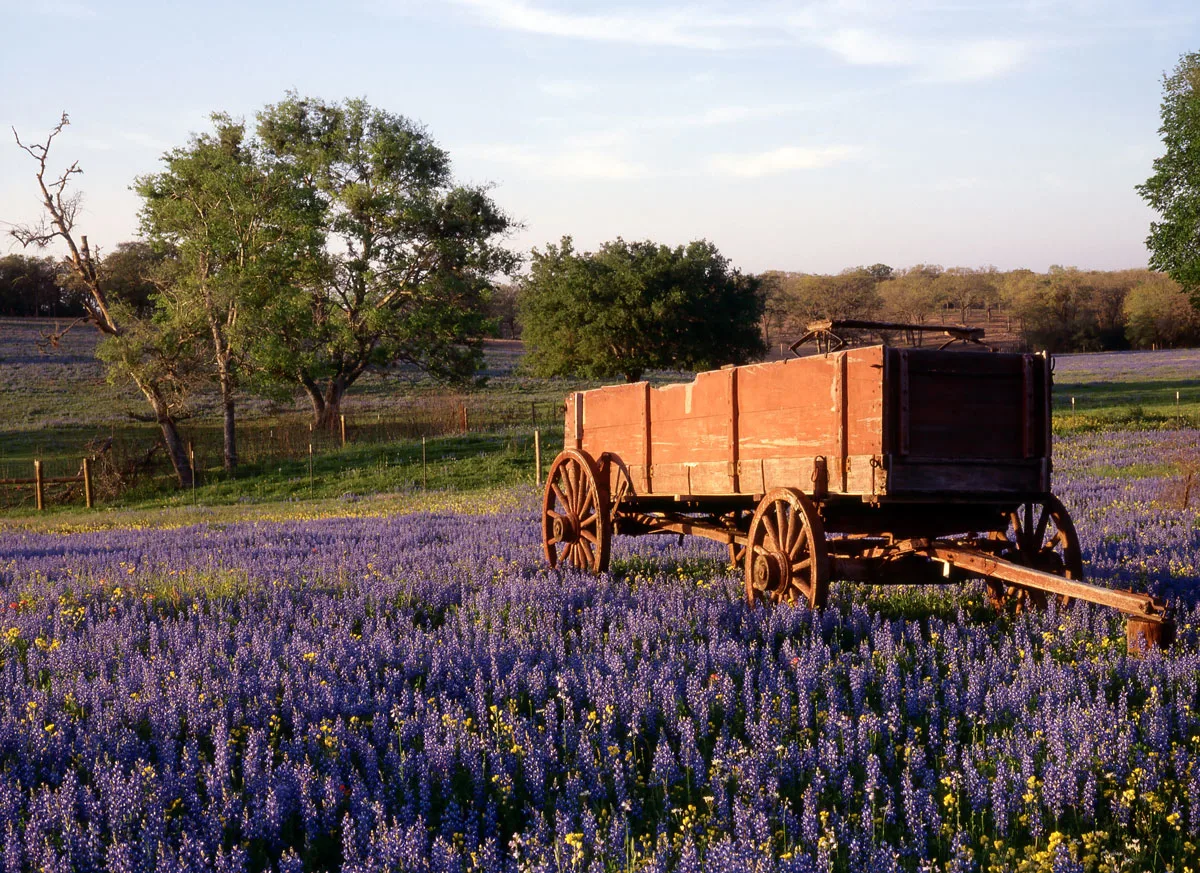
{"points": [[58, 406], [1127, 389]]}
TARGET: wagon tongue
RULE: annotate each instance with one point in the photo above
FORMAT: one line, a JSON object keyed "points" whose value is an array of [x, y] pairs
{"points": [[1147, 627]]}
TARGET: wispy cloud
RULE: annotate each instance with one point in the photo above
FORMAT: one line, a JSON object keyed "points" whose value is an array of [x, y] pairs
{"points": [[780, 160], [898, 36], [958, 183], [573, 162], [624, 127], [954, 60], [975, 59], [680, 27]]}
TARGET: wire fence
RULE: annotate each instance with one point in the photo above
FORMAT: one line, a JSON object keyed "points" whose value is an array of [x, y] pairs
{"points": [[134, 453]]}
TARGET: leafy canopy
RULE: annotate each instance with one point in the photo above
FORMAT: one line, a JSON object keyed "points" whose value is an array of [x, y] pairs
{"points": [[240, 233], [1173, 190], [632, 307], [410, 254]]}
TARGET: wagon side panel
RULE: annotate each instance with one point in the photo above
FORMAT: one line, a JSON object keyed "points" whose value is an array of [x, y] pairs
{"points": [[615, 421], [785, 419], [863, 419], [691, 427], [792, 413]]}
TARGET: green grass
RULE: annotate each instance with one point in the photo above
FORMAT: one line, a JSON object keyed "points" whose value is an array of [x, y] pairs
{"points": [[1141, 405], [458, 463], [467, 464]]}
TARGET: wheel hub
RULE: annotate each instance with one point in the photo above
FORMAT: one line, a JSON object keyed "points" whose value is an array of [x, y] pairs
{"points": [[566, 529], [772, 571], [1049, 561]]}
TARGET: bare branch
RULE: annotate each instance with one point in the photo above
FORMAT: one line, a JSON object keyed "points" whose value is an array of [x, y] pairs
{"points": [[53, 338], [58, 222]]}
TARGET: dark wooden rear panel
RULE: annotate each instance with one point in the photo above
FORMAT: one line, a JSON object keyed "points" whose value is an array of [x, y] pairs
{"points": [[964, 422], [615, 420]]}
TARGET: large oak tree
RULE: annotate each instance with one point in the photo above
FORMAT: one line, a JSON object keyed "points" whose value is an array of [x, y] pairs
{"points": [[632, 307], [242, 233], [409, 254]]}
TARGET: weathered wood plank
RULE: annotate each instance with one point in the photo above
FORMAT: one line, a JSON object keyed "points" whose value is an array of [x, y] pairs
{"points": [[906, 476]]}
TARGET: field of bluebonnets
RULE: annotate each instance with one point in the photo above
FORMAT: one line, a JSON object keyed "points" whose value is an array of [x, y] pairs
{"points": [[418, 692]]}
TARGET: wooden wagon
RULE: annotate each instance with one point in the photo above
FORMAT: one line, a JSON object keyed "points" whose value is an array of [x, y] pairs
{"points": [[872, 464]]}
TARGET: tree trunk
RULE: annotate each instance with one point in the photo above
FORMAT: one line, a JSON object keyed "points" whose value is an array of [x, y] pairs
{"points": [[332, 404], [176, 450], [231, 458], [228, 389], [228, 411], [315, 400]]}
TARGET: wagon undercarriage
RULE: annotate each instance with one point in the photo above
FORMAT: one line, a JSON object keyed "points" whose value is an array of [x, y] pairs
{"points": [[790, 548]]}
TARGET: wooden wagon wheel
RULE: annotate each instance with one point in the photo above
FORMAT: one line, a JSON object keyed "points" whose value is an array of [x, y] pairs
{"points": [[785, 557], [1041, 535], [576, 526]]}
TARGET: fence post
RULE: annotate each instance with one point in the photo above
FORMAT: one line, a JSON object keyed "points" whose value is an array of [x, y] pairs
{"points": [[342, 421], [87, 482], [37, 483], [424, 472], [464, 418], [537, 455]]}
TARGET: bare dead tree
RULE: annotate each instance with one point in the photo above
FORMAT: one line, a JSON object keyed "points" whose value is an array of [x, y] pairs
{"points": [[58, 223], [61, 208]]}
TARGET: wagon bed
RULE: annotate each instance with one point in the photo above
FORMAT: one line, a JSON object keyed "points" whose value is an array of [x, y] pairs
{"points": [[875, 422]]}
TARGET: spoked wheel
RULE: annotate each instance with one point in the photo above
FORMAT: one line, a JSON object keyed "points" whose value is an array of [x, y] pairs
{"points": [[785, 557], [1040, 535], [576, 527]]}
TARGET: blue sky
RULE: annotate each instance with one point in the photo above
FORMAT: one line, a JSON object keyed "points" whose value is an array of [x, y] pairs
{"points": [[796, 136]]}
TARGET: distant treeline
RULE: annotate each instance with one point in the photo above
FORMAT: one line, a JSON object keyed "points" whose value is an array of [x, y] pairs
{"points": [[46, 288], [1064, 309], [35, 287]]}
